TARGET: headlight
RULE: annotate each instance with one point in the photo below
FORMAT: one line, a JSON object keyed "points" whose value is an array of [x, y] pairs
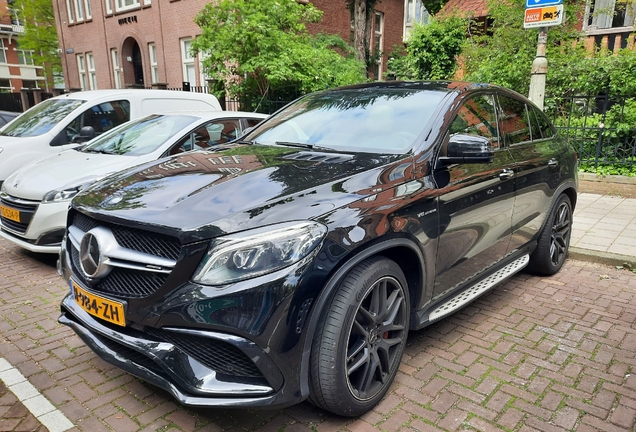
{"points": [[68, 192], [60, 195], [256, 252]]}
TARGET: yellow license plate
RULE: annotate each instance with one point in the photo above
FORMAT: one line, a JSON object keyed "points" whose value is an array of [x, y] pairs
{"points": [[98, 306], [10, 213]]}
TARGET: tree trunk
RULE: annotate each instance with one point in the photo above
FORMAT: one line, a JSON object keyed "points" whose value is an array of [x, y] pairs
{"points": [[360, 29]]}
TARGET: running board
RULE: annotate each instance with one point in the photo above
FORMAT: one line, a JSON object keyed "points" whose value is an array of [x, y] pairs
{"points": [[478, 289]]}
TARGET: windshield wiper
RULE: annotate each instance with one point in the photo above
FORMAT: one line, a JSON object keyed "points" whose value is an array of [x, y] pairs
{"points": [[97, 151], [303, 145]]}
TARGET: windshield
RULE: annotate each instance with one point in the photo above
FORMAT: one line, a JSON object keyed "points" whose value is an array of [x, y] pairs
{"points": [[141, 136], [41, 118], [376, 120]]}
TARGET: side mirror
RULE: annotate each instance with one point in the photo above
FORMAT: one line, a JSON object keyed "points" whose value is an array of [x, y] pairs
{"points": [[87, 133], [468, 149]]}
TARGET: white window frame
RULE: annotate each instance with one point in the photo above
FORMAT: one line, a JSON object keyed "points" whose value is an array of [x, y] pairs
{"points": [[603, 19], [378, 33], [26, 55], [88, 9], [120, 5], [4, 51], [109, 7], [81, 69], [187, 60], [70, 11], [116, 69], [79, 10], [92, 76], [154, 68], [411, 10]]}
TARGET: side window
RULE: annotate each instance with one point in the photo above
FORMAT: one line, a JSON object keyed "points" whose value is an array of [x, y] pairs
{"points": [[477, 117], [101, 117], [208, 135], [535, 129], [253, 122], [222, 131], [546, 129], [513, 120]]}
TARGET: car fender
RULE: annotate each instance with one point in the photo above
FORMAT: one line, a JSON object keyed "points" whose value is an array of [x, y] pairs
{"points": [[330, 288]]}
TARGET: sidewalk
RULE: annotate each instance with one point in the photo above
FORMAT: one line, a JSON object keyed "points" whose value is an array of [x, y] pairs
{"points": [[604, 229]]}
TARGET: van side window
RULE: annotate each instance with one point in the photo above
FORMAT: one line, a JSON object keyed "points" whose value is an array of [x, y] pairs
{"points": [[101, 117]]}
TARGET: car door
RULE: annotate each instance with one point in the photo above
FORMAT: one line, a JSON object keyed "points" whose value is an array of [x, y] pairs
{"points": [[530, 141], [101, 117], [475, 200]]}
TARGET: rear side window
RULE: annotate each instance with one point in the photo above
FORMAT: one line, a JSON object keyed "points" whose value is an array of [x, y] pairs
{"points": [[513, 120], [546, 128]]}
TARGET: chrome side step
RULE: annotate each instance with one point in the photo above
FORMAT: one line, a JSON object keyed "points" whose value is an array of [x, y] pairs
{"points": [[478, 289]]}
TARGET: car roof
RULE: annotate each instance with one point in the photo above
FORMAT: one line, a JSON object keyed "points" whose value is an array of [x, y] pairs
{"points": [[209, 115], [440, 86]]}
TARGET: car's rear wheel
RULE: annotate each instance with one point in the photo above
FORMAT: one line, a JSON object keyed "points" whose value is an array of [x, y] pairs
{"points": [[554, 241], [361, 339]]}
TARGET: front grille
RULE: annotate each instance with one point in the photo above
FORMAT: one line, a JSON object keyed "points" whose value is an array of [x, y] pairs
{"points": [[217, 355], [122, 283], [26, 209], [141, 241]]}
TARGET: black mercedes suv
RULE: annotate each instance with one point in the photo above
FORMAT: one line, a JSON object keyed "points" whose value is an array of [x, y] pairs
{"points": [[292, 264]]}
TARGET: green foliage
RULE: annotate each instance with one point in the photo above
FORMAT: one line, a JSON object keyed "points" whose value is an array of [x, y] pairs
{"points": [[434, 6], [256, 46], [431, 51], [40, 34]]}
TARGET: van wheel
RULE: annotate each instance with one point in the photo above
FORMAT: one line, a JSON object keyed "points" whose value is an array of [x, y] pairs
{"points": [[554, 240], [360, 341]]}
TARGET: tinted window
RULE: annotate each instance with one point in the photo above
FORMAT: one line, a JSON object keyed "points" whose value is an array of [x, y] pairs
{"points": [[42, 117], [477, 117], [381, 121], [544, 124], [514, 120]]}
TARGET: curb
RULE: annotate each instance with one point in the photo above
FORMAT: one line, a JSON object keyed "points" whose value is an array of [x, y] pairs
{"points": [[600, 257]]}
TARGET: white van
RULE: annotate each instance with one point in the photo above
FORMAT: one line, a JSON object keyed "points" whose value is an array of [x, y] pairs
{"points": [[62, 122]]}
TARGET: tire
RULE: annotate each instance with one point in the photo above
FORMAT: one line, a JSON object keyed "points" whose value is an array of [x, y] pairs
{"points": [[554, 240], [361, 338]]}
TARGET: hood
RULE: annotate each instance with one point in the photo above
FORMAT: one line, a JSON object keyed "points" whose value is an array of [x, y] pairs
{"points": [[205, 194], [65, 169]]}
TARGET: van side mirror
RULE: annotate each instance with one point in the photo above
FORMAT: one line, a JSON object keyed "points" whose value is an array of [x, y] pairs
{"points": [[87, 133], [468, 149]]}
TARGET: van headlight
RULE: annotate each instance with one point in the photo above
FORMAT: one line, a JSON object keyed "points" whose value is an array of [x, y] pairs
{"points": [[257, 252]]}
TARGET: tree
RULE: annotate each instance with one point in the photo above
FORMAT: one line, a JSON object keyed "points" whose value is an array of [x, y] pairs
{"points": [[255, 46], [362, 12], [431, 51], [40, 34]]}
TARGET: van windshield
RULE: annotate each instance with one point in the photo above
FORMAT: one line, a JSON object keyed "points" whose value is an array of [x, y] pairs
{"points": [[41, 118]]}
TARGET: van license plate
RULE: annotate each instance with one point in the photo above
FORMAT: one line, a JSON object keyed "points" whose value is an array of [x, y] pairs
{"points": [[9, 213], [98, 306]]}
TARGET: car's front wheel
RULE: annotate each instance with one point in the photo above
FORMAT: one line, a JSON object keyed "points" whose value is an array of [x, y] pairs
{"points": [[361, 339], [554, 240]]}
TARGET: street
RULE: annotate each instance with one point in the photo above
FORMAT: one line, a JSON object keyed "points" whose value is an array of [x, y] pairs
{"points": [[535, 353]]}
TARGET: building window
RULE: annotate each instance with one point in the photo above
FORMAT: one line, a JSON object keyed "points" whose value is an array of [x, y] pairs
{"points": [[378, 44], [70, 12], [79, 10], [89, 12], [116, 71], [126, 4], [14, 14], [25, 57], [414, 13], [605, 14], [81, 68], [3, 52], [5, 85], [187, 61], [154, 69], [92, 77], [109, 7]]}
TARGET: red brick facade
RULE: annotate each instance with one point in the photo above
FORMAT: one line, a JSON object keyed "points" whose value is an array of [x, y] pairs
{"points": [[165, 24]]}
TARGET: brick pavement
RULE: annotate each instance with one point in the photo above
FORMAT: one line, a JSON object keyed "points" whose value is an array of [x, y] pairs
{"points": [[548, 354]]}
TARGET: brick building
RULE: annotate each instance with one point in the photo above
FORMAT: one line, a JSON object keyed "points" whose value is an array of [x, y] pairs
{"points": [[122, 43], [17, 69]]}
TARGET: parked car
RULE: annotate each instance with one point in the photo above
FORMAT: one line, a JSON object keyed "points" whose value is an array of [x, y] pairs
{"points": [[63, 122], [292, 264], [7, 116], [34, 200]]}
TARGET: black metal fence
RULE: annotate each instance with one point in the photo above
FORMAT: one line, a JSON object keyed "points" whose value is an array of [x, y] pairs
{"points": [[601, 127]]}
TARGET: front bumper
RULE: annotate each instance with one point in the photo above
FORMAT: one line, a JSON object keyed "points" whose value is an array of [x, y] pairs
{"points": [[48, 219], [166, 366]]}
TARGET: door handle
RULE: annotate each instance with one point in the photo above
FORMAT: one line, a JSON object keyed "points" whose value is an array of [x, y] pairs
{"points": [[553, 163], [506, 173]]}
